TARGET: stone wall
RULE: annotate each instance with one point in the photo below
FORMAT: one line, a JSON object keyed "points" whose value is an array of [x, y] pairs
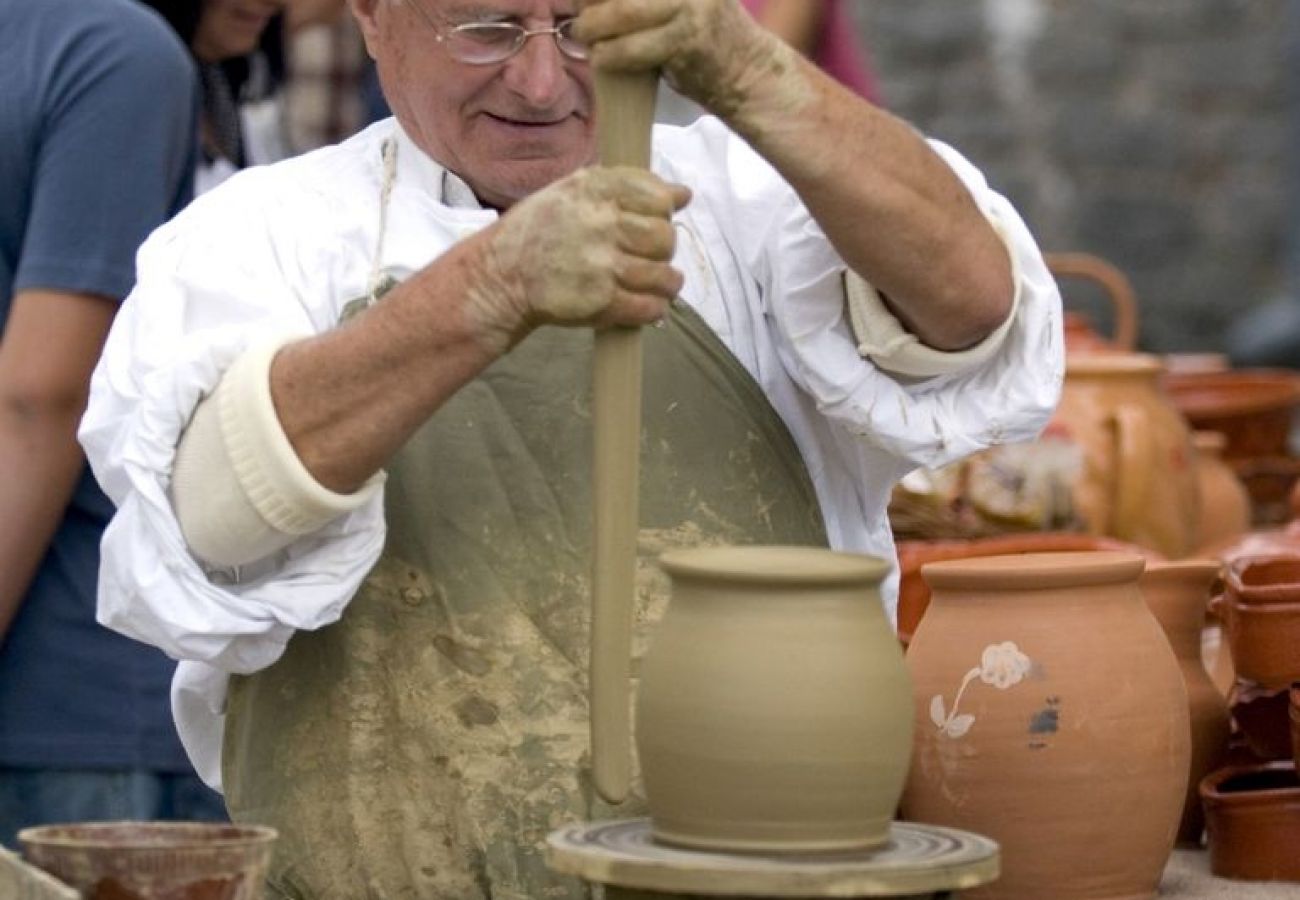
{"points": [[1158, 134]]}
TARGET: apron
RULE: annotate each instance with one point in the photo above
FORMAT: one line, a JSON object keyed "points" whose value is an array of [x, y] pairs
{"points": [[425, 744]]}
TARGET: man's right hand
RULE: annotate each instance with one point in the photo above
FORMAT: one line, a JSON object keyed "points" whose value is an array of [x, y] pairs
{"points": [[591, 249]]}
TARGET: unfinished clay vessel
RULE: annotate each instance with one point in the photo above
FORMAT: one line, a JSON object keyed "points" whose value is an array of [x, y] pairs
{"points": [[774, 711], [1138, 482], [154, 860], [1253, 817], [1047, 700], [1178, 593]]}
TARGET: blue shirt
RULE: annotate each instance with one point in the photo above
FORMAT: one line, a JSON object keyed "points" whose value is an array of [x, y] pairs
{"points": [[97, 124]]}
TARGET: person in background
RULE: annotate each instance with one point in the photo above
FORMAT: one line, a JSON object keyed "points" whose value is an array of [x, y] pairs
{"points": [[97, 126], [823, 31], [238, 46]]}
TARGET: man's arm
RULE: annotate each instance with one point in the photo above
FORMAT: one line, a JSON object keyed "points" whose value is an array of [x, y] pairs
{"points": [[891, 207], [50, 345]]}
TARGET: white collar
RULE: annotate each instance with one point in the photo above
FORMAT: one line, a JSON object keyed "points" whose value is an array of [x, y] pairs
{"points": [[418, 169]]}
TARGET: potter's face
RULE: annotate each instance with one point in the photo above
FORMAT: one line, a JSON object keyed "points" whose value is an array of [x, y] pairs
{"points": [[507, 128], [230, 28]]}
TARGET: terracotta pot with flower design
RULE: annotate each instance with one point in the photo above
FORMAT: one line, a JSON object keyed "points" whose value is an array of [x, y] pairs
{"points": [[1046, 699]]}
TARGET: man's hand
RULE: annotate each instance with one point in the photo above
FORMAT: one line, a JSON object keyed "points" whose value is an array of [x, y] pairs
{"points": [[709, 50], [592, 249]]}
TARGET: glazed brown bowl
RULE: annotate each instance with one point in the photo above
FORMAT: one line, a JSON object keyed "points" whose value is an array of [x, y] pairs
{"points": [[154, 860], [1253, 408], [1252, 814]]}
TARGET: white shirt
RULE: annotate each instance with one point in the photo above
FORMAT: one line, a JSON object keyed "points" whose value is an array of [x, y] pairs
{"points": [[282, 249]]}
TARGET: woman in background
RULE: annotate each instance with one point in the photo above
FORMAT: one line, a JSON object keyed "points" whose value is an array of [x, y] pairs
{"points": [[238, 46]]}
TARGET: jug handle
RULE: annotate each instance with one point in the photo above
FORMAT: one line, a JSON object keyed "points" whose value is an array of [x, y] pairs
{"points": [[625, 104], [1133, 469], [1116, 284]]}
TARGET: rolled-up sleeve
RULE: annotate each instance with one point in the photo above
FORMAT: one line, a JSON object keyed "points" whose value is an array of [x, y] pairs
{"points": [[209, 285], [1007, 397]]}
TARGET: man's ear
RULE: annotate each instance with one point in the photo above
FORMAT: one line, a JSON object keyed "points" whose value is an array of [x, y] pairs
{"points": [[365, 12]]}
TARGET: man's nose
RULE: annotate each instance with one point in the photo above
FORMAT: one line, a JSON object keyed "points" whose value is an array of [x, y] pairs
{"points": [[537, 72]]}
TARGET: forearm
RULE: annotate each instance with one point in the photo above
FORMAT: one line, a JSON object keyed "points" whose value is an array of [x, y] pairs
{"points": [[348, 399], [41, 461], [893, 209]]}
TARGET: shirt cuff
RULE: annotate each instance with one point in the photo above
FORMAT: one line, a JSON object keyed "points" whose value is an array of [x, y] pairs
{"points": [[881, 338]]}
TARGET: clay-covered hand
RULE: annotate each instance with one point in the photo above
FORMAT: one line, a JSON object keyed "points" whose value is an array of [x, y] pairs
{"points": [[591, 249], [709, 50]]}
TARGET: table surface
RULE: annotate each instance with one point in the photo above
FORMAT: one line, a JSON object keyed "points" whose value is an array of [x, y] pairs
{"points": [[1187, 877]]}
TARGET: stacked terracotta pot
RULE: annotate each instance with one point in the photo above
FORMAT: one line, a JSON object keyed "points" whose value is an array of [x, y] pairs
{"points": [[1253, 805]]}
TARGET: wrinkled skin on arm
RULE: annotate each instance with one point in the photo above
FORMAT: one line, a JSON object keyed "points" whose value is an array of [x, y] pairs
{"points": [[592, 249], [892, 208]]}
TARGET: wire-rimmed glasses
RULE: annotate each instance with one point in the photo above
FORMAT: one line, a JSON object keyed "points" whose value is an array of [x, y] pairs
{"points": [[489, 43]]}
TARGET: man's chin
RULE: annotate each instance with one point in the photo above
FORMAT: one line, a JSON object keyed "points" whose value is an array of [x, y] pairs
{"points": [[516, 179]]}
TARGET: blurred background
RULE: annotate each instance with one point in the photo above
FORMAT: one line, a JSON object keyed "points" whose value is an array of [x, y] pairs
{"points": [[1161, 135]]}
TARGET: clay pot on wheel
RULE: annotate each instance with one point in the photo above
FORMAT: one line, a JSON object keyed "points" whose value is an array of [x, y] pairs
{"points": [[1047, 700], [1253, 816], [774, 712], [1177, 594]]}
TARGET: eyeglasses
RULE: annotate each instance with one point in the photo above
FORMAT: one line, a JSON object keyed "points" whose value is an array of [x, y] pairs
{"points": [[488, 43]]}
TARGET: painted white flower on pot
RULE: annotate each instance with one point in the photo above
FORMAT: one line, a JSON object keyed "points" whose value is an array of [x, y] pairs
{"points": [[1001, 665]]}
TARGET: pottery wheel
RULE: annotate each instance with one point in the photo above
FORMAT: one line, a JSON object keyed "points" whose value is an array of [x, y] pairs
{"points": [[918, 859]]}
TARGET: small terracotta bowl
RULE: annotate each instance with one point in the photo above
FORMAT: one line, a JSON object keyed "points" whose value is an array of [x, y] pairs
{"points": [[1266, 579], [1265, 641], [1252, 814], [166, 860]]}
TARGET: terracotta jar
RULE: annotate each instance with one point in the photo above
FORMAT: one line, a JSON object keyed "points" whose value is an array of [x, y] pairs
{"points": [[1051, 715], [774, 712], [1253, 817], [154, 860], [914, 593], [1177, 594], [1261, 606], [1224, 503], [1138, 483]]}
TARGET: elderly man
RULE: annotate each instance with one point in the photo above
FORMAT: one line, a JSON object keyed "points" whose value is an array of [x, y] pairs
{"points": [[345, 413]]}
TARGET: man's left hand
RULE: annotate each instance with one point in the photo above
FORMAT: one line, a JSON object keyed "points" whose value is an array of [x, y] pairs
{"points": [[709, 50]]}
